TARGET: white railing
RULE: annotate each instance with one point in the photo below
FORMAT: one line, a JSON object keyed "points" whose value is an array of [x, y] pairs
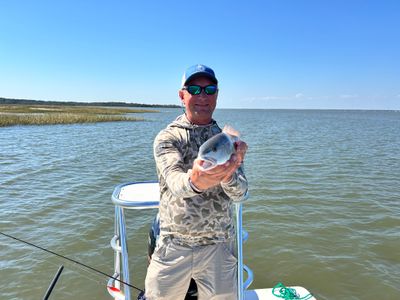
{"points": [[145, 195]]}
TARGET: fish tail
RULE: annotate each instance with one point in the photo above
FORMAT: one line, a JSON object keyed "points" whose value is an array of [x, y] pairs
{"points": [[228, 129]]}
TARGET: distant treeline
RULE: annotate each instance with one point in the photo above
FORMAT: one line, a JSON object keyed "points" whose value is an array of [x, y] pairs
{"points": [[43, 102]]}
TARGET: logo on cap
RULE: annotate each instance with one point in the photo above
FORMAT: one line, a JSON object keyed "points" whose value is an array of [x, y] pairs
{"points": [[201, 68]]}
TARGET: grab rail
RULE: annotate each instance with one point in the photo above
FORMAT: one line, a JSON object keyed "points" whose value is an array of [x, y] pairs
{"points": [[145, 195], [241, 236]]}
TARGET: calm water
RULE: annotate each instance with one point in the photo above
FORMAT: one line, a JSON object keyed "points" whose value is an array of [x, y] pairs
{"points": [[324, 211]]}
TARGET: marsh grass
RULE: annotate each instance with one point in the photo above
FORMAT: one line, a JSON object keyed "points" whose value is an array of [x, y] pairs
{"points": [[63, 114], [34, 109]]}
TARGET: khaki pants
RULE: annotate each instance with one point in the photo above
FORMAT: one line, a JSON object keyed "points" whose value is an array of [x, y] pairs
{"points": [[213, 267]]}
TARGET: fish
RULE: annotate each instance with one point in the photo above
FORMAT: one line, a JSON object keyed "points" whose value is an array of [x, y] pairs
{"points": [[218, 149]]}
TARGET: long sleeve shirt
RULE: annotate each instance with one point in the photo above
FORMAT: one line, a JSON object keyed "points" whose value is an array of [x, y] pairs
{"points": [[186, 215]]}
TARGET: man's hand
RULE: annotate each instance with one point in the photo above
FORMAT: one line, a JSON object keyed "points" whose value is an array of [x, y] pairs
{"points": [[205, 179]]}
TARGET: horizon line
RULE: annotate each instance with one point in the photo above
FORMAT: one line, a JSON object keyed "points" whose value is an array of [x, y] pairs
{"points": [[177, 106]]}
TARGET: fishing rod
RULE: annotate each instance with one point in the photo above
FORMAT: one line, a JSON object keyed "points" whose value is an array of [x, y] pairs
{"points": [[71, 260], [53, 283]]}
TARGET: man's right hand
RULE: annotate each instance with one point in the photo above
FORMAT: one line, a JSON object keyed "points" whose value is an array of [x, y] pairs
{"points": [[205, 179]]}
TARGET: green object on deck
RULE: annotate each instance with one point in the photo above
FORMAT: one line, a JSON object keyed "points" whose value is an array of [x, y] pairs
{"points": [[288, 293]]}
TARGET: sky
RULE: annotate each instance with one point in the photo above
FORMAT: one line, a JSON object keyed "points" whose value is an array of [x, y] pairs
{"points": [[295, 54]]}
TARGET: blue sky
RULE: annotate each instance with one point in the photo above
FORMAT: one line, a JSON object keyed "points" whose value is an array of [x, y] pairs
{"points": [[266, 54]]}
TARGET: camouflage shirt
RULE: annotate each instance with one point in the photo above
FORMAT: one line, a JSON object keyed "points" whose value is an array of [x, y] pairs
{"points": [[186, 216]]}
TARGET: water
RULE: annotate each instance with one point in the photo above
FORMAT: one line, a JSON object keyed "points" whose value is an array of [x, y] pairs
{"points": [[324, 211]]}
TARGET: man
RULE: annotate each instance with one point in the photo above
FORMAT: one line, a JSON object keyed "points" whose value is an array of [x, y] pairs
{"points": [[196, 227]]}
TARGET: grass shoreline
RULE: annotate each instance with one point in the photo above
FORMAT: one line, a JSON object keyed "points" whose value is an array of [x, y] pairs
{"points": [[23, 114]]}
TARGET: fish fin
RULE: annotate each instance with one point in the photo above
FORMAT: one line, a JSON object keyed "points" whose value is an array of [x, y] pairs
{"points": [[228, 129]]}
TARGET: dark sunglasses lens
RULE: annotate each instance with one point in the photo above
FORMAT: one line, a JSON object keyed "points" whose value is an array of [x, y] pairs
{"points": [[210, 89], [194, 89]]}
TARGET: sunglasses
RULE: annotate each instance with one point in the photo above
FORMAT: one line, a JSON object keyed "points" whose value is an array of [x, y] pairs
{"points": [[196, 89]]}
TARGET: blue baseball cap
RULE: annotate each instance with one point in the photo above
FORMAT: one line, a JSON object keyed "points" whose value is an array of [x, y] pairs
{"points": [[198, 71]]}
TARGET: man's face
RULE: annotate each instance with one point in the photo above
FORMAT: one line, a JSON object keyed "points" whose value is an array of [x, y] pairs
{"points": [[199, 108]]}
